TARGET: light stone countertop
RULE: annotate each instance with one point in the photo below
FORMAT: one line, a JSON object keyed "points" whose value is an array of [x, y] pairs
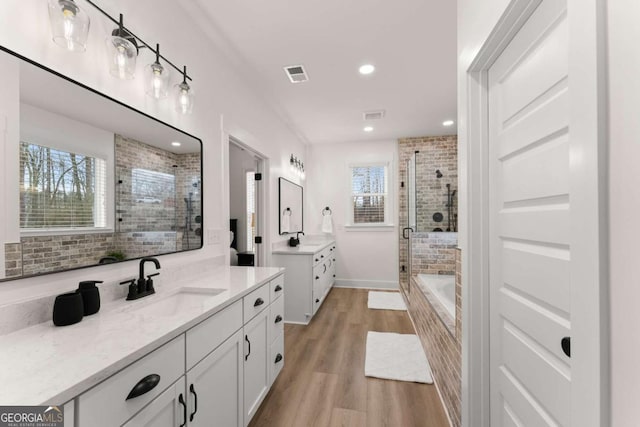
{"points": [[305, 248], [48, 365]]}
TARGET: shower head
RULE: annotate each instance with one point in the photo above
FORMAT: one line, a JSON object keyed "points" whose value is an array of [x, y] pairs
{"points": [[438, 173]]}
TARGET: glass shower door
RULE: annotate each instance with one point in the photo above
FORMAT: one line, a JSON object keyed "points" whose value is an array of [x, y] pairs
{"points": [[411, 217]]}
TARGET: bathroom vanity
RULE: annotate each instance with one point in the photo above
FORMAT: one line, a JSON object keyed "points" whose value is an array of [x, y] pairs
{"points": [[204, 350], [311, 272]]}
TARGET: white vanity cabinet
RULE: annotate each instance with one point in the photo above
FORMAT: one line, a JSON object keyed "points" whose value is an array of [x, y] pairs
{"points": [[311, 272], [216, 373]]}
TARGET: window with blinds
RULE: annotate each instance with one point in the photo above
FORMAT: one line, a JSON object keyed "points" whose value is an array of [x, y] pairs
{"points": [[369, 194], [61, 190]]}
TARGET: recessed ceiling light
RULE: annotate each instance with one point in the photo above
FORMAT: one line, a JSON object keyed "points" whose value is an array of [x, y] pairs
{"points": [[176, 144], [447, 123], [368, 129], [367, 69]]}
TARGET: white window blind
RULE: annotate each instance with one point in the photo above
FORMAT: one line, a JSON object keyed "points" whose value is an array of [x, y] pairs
{"points": [[61, 190], [251, 209], [369, 194]]}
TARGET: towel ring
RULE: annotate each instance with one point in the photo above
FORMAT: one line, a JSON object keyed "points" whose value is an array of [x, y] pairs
{"points": [[285, 211], [326, 210]]}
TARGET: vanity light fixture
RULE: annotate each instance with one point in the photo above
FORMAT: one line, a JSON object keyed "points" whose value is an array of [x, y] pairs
{"points": [[69, 25], [184, 95], [123, 52], [297, 167], [157, 78]]}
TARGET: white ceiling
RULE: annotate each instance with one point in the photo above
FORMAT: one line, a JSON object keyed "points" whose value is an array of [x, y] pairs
{"points": [[412, 43]]}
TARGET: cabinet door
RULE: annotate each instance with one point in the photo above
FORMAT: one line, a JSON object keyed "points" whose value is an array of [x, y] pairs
{"points": [[256, 368], [215, 386], [166, 410]]}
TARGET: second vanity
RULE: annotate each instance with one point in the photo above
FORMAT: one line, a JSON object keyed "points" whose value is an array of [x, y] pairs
{"points": [[189, 356], [311, 273]]}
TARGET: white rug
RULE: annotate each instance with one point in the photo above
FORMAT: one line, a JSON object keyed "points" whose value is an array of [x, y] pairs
{"points": [[396, 357], [386, 301]]}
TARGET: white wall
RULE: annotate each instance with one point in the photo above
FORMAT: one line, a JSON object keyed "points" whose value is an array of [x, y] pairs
{"points": [[365, 258], [624, 187], [225, 104]]}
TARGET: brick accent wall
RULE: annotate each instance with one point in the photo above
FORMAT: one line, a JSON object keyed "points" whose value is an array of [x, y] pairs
{"points": [[442, 349], [436, 153], [433, 253], [13, 259]]}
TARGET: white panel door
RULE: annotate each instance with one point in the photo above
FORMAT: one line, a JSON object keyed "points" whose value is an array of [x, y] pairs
{"points": [[533, 215], [256, 365]]}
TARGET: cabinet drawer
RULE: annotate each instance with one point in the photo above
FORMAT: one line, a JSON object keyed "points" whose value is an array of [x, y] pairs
{"points": [[277, 287], [107, 404], [256, 301], [276, 318], [276, 357], [203, 338]]}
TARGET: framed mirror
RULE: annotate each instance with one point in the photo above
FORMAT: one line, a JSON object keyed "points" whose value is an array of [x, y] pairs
{"points": [[98, 181], [290, 202]]}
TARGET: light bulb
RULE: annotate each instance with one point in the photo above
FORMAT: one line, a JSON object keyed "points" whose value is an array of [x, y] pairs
{"points": [[69, 24], [121, 60], [184, 96], [69, 17]]}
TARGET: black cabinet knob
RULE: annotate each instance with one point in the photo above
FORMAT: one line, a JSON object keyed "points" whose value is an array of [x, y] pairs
{"points": [[321, 256], [317, 300], [278, 288], [278, 358], [317, 277], [258, 302], [317, 260], [334, 275], [278, 319]]}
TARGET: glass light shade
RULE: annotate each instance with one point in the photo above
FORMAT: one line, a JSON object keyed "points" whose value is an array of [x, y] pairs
{"points": [[69, 25], [156, 79], [122, 57], [184, 98]]}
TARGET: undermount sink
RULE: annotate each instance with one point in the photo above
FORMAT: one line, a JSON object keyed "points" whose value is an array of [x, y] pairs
{"points": [[186, 299]]}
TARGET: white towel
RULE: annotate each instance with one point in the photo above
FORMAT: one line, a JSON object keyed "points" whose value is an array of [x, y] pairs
{"points": [[327, 224], [285, 225]]}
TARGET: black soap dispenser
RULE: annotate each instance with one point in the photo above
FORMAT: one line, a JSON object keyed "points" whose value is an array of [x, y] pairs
{"points": [[90, 296]]}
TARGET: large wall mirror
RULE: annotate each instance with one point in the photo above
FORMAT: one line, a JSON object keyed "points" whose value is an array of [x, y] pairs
{"points": [[290, 204], [88, 180]]}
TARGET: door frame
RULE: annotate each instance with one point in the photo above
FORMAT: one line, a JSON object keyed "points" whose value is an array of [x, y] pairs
{"points": [[588, 124]]}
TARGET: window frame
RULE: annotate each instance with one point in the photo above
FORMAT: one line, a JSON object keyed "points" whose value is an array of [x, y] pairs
{"points": [[389, 195]]}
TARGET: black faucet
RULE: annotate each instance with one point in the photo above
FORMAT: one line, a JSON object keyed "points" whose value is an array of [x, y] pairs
{"points": [[142, 282], [142, 287], [295, 241]]}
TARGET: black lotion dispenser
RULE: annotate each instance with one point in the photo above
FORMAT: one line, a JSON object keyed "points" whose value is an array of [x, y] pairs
{"points": [[90, 296]]}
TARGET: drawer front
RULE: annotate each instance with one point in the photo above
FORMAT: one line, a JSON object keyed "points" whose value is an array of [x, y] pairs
{"points": [[277, 287], [276, 318], [256, 301], [203, 338], [276, 358], [107, 403]]}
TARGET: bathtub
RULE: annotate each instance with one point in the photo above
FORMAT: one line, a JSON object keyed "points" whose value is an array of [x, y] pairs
{"points": [[442, 287]]}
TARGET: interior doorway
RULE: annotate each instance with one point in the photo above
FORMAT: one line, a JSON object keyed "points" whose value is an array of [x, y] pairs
{"points": [[246, 168]]}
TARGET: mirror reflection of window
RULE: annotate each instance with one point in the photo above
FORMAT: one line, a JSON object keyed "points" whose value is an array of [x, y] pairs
{"points": [[61, 189]]}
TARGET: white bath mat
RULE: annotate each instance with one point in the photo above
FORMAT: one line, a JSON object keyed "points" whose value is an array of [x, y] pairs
{"points": [[396, 357], [386, 301]]}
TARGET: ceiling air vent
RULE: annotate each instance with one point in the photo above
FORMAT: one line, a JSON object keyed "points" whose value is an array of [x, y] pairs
{"points": [[296, 73], [373, 115]]}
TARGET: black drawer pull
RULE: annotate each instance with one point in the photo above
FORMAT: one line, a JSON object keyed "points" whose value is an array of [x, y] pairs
{"points": [[565, 343], [258, 302], [317, 260], [145, 385], [246, 338], [334, 275], [317, 277], [184, 409], [325, 268], [278, 319], [317, 300], [278, 358], [278, 288], [321, 256], [334, 260], [192, 389]]}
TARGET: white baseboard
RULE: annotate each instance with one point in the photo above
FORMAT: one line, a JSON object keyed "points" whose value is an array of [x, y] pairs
{"points": [[367, 284]]}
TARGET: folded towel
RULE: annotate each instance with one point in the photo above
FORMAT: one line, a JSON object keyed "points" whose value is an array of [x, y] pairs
{"points": [[327, 224], [285, 224]]}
